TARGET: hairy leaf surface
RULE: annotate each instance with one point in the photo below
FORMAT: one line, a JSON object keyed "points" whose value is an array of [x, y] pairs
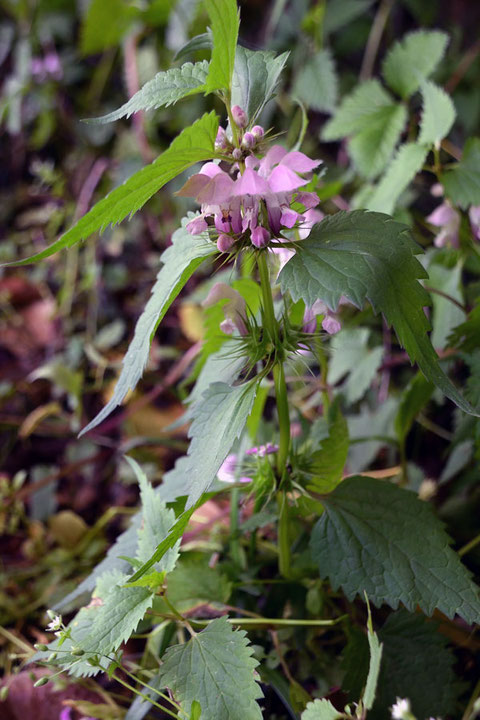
{"points": [[407, 162], [180, 261], [412, 59], [224, 17], [365, 255], [194, 144], [215, 667], [165, 89], [377, 538], [256, 74]]}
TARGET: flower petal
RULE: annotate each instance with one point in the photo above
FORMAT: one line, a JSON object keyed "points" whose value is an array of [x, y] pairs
{"points": [[251, 183], [299, 162], [282, 179]]}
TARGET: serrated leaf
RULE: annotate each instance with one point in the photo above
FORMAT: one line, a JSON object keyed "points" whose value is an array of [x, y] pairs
{"points": [[365, 255], [380, 539], [217, 422], [157, 521], [414, 398], [193, 583], [194, 144], [165, 89], [117, 618], [438, 114], [105, 24], [351, 356], [462, 182], [413, 59], [215, 668], [416, 664], [255, 78], [356, 110], [339, 14], [325, 466], [321, 710], [203, 41], [407, 162], [225, 21], [180, 261], [316, 84]]}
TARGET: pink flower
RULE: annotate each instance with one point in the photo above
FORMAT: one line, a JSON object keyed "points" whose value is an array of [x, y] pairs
{"points": [[330, 323], [474, 217], [234, 310], [263, 450], [448, 219], [228, 471]]}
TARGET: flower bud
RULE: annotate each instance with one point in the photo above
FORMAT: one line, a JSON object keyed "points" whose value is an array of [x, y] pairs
{"points": [[258, 132], [77, 651], [260, 237], [239, 116], [221, 140], [237, 154], [41, 647], [248, 140], [225, 242], [331, 325], [40, 682]]}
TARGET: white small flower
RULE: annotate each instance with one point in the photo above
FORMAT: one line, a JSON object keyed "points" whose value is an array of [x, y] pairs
{"points": [[400, 709], [56, 622]]}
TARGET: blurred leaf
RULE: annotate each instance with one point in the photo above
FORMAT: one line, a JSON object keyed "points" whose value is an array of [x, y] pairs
{"points": [[199, 42], [255, 78], [105, 24], [376, 650], [316, 83], [165, 89], [222, 658], [350, 355], [394, 562], [414, 398], [67, 528], [367, 255], [446, 315], [407, 162], [462, 182], [466, 336], [225, 20], [325, 466], [413, 59], [321, 710], [194, 143], [438, 114], [193, 583], [459, 458], [342, 12], [180, 261]]}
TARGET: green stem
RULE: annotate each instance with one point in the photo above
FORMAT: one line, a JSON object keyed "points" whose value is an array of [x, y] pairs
{"points": [[284, 553], [145, 697], [269, 321], [283, 418], [285, 622]]}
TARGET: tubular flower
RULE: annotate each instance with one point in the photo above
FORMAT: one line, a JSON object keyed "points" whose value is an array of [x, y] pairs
{"points": [[234, 310]]}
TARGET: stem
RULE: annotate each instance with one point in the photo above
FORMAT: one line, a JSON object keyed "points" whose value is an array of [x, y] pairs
{"points": [[270, 323], [284, 554], [145, 697], [283, 418], [234, 539]]}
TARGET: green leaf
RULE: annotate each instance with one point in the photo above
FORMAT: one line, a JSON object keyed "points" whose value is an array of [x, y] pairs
{"points": [[446, 314], [376, 650], [325, 466], [165, 89], [377, 538], [215, 668], [462, 182], [316, 83], [198, 42], [414, 398], [255, 78], [351, 356], [321, 710], [194, 144], [407, 162], [180, 261], [413, 59], [105, 24], [117, 617], [157, 521], [217, 422], [195, 711], [466, 336], [365, 255], [438, 114], [339, 14], [193, 584], [225, 21], [416, 664], [374, 122]]}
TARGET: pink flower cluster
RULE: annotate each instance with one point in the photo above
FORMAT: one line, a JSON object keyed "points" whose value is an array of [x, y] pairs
{"points": [[257, 200]]}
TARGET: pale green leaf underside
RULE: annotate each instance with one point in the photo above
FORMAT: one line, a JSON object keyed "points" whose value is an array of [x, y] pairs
{"points": [[256, 74], [215, 668], [357, 109], [194, 144], [413, 59], [438, 114], [369, 256], [351, 356], [321, 710], [405, 165], [157, 521], [224, 18], [316, 84], [165, 89], [462, 183], [374, 669], [180, 261], [377, 538], [217, 422]]}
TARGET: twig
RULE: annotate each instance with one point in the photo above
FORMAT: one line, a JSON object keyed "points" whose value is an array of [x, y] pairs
{"points": [[462, 67], [374, 38], [447, 297]]}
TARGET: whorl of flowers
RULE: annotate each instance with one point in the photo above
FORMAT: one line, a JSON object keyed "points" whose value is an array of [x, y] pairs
{"points": [[253, 197]]}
